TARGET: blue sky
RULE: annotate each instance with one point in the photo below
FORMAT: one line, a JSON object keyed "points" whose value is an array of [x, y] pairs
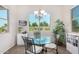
{"points": [[32, 19], [75, 14], [3, 14]]}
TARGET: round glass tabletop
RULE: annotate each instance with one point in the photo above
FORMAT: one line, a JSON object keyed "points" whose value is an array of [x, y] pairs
{"points": [[42, 40]]}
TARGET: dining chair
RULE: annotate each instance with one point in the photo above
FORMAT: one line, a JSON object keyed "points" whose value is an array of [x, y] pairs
{"points": [[37, 35], [52, 46], [30, 47]]}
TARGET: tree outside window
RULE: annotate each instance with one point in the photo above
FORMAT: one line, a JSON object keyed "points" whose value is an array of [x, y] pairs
{"points": [[3, 19], [34, 23]]}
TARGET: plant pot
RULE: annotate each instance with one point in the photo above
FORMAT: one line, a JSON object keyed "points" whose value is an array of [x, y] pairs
{"points": [[57, 36]]}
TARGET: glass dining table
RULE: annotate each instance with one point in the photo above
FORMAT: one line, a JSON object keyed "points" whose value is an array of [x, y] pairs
{"points": [[41, 41]]}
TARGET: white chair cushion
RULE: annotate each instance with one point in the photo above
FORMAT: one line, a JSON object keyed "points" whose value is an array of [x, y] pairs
{"points": [[51, 45]]}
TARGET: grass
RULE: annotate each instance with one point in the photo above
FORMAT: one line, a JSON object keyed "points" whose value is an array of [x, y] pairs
{"points": [[2, 30], [75, 29], [41, 28]]}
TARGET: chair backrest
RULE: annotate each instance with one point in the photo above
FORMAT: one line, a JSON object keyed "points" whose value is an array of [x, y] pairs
{"points": [[37, 35], [28, 44]]}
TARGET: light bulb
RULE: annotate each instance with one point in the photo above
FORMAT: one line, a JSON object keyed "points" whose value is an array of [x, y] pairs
{"points": [[36, 12], [45, 14], [42, 11]]}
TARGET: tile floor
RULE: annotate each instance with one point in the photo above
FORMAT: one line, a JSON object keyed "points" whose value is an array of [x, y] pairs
{"points": [[20, 50]]}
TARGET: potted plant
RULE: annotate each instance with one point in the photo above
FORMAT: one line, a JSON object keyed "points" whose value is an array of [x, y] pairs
{"points": [[59, 31]]}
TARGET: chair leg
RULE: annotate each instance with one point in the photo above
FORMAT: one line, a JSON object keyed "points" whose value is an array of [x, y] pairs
{"points": [[56, 51], [42, 52], [25, 52], [25, 49], [46, 50]]}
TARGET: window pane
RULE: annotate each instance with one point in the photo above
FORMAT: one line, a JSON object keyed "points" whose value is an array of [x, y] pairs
{"points": [[45, 23], [3, 14], [34, 22], [75, 18], [3, 21]]}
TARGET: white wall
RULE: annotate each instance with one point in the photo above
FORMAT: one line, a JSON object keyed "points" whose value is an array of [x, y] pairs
{"points": [[7, 40], [66, 18]]}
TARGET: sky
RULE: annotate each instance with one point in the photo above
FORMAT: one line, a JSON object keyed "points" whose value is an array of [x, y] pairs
{"points": [[75, 14], [46, 18], [3, 14]]}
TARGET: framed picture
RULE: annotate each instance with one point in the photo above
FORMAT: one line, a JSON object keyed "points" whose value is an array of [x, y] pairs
{"points": [[4, 20], [22, 23], [75, 19]]}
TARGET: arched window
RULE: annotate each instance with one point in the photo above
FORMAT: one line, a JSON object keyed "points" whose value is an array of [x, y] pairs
{"points": [[3, 19], [39, 20], [75, 18]]}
